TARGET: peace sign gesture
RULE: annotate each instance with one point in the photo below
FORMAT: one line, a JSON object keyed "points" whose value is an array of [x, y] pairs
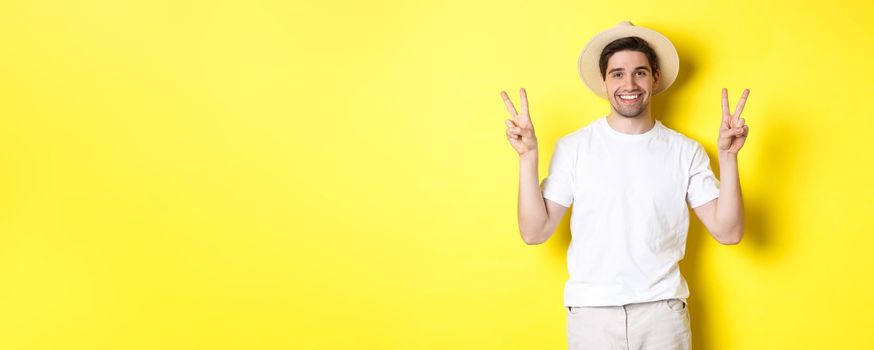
{"points": [[733, 132], [520, 130]]}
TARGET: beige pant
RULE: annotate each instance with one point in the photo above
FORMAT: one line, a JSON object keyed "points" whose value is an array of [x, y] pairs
{"points": [[654, 325]]}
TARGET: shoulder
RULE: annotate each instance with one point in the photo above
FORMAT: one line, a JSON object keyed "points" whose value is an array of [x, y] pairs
{"points": [[686, 144]]}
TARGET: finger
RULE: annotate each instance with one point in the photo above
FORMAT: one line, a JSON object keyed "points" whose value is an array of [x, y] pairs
{"points": [[741, 122], [741, 103], [513, 134], [524, 96], [509, 104], [746, 131], [510, 123], [725, 112]]}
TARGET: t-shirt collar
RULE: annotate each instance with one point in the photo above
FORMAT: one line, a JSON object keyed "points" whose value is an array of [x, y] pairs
{"points": [[620, 135]]}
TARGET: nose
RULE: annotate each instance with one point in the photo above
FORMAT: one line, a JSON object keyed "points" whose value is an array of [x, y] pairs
{"points": [[628, 83]]}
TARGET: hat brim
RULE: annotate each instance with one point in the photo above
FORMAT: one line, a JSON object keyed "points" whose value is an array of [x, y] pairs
{"points": [[669, 62]]}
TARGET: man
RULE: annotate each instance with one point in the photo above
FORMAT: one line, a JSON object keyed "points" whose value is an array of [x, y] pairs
{"points": [[629, 178]]}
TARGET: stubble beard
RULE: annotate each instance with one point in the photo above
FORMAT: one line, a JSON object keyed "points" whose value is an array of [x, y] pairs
{"points": [[629, 111]]}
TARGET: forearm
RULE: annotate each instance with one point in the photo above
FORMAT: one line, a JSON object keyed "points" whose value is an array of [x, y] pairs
{"points": [[531, 207], [729, 205]]}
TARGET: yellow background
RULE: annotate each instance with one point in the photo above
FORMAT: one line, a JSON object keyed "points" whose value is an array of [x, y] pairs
{"points": [[335, 175]]}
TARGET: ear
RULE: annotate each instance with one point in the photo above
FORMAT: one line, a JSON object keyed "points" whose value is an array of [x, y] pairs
{"points": [[604, 86], [655, 78]]}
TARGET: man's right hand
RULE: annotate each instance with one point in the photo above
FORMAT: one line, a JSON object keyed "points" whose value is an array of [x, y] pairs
{"points": [[520, 130]]}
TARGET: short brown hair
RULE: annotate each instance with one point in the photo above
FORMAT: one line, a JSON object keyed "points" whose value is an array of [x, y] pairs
{"points": [[631, 43]]}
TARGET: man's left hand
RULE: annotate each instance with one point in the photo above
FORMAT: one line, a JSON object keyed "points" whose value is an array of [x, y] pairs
{"points": [[733, 132]]}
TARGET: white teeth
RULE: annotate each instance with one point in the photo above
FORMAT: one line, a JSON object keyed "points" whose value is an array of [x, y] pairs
{"points": [[628, 97]]}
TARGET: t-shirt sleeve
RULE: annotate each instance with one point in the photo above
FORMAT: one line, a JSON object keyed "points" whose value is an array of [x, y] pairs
{"points": [[558, 186], [703, 184]]}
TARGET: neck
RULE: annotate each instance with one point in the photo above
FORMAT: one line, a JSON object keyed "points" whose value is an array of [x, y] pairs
{"points": [[637, 125]]}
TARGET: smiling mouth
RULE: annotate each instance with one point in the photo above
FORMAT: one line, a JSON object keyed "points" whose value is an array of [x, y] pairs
{"points": [[630, 98]]}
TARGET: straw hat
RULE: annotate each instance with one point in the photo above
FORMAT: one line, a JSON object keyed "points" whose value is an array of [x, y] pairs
{"points": [[669, 62]]}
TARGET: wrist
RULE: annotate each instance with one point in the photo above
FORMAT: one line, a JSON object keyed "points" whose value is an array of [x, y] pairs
{"points": [[529, 155], [726, 156]]}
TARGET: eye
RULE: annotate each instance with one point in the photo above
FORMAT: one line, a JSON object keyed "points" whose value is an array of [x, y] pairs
{"points": [[617, 75], [641, 73]]}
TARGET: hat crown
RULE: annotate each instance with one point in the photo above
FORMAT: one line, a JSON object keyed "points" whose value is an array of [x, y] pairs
{"points": [[625, 23]]}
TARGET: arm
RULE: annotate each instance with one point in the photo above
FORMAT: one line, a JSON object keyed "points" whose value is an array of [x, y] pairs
{"points": [[538, 217], [724, 216]]}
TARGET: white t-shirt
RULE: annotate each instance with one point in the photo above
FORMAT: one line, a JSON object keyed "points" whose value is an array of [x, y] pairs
{"points": [[630, 219]]}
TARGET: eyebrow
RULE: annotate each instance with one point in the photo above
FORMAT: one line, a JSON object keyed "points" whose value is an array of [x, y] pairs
{"points": [[619, 69]]}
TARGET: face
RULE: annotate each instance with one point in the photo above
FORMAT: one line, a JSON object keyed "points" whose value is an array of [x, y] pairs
{"points": [[629, 83]]}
